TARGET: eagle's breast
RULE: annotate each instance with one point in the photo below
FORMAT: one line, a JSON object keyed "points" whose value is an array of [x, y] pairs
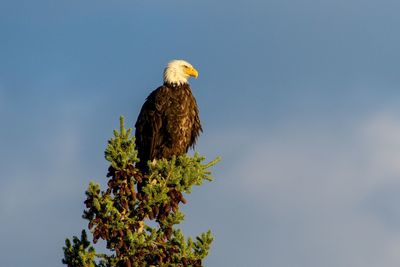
{"points": [[168, 124], [184, 116]]}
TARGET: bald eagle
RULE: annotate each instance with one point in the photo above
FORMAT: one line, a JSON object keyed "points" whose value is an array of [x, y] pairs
{"points": [[168, 123]]}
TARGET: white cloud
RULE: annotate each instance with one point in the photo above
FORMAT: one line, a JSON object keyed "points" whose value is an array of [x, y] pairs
{"points": [[382, 136]]}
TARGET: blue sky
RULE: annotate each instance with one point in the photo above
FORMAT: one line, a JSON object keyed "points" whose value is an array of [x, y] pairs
{"points": [[300, 98]]}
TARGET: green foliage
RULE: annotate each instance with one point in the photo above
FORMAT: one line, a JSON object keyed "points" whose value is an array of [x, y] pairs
{"points": [[80, 253], [120, 215], [120, 151]]}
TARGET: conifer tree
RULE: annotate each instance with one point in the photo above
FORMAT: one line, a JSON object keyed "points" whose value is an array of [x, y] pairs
{"points": [[120, 215]]}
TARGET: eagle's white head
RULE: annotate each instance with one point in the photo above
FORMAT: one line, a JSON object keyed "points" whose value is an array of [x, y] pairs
{"points": [[178, 71]]}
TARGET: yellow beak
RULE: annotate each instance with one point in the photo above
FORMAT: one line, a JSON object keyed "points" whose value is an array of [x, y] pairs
{"points": [[192, 72]]}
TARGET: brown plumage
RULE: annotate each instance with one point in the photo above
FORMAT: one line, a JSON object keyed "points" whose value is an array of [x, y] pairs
{"points": [[168, 123]]}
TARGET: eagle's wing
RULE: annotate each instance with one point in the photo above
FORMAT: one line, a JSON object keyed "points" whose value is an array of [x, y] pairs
{"points": [[149, 125]]}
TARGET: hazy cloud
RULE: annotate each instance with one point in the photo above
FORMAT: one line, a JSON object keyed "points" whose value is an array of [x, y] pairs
{"points": [[330, 193], [41, 193]]}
